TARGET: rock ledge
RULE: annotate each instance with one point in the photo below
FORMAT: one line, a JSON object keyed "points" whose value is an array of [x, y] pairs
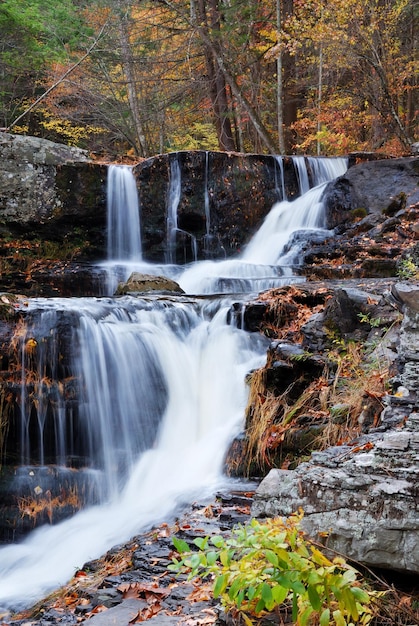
{"points": [[365, 495]]}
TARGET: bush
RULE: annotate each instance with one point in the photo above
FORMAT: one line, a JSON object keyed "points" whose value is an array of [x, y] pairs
{"points": [[269, 565]]}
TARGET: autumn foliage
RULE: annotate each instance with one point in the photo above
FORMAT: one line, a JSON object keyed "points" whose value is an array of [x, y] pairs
{"points": [[144, 78]]}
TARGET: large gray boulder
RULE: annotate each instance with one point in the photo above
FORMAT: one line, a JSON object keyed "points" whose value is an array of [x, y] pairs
{"points": [[382, 187], [45, 184], [365, 495], [143, 283]]}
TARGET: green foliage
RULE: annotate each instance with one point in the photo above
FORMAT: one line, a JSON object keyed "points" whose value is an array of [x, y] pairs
{"points": [[365, 318], [45, 26], [265, 565], [35, 35], [359, 213], [407, 269]]}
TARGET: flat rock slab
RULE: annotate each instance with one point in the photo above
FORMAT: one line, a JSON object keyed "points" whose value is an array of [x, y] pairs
{"points": [[120, 615]]}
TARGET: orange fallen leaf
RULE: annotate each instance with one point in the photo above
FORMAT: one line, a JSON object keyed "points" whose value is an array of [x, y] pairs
{"points": [[142, 590], [201, 593], [147, 613]]}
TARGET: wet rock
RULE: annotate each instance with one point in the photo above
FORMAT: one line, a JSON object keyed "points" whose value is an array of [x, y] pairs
{"points": [[142, 283], [223, 199], [123, 614], [383, 186]]}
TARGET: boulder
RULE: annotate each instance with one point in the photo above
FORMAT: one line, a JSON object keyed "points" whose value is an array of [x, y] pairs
{"points": [[142, 283], [52, 192], [364, 496], [384, 186]]}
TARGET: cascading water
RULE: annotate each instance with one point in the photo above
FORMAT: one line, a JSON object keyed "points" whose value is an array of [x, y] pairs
{"points": [[280, 189], [173, 231], [265, 263], [158, 393], [124, 235], [185, 369]]}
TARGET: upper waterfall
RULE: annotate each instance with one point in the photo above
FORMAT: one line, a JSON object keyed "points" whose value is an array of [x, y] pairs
{"points": [[123, 224], [265, 261]]}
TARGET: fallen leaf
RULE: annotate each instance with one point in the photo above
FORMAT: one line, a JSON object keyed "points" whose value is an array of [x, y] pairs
{"points": [[142, 590], [201, 593], [147, 613]]}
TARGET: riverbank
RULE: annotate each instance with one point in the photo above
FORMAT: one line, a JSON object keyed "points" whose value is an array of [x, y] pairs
{"points": [[131, 583]]}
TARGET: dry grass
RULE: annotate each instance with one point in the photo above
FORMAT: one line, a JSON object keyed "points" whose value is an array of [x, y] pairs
{"points": [[344, 400], [34, 507], [6, 405]]}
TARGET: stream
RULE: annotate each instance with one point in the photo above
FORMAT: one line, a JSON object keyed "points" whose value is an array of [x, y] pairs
{"points": [[161, 392]]}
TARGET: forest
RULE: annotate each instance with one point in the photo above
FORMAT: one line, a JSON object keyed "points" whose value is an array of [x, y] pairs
{"points": [[138, 78]]}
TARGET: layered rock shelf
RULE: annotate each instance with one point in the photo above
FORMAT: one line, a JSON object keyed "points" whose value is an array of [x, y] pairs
{"points": [[364, 496]]}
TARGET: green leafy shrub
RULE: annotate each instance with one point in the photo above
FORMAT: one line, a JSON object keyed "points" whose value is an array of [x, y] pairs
{"points": [[268, 565], [407, 269]]}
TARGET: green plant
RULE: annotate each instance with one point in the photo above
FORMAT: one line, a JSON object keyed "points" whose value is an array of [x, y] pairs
{"points": [[359, 213], [365, 318], [407, 269], [271, 565]]}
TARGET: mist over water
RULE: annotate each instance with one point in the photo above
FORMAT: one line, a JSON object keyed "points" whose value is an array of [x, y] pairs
{"points": [[164, 390]]}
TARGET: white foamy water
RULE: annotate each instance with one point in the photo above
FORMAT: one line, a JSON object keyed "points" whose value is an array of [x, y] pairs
{"points": [[201, 362], [154, 456]]}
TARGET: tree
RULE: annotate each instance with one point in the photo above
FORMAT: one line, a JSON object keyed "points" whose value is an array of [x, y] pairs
{"points": [[35, 35], [248, 75], [365, 67]]}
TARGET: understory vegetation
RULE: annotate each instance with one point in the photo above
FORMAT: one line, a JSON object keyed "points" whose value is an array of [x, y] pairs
{"points": [[307, 400], [269, 568]]}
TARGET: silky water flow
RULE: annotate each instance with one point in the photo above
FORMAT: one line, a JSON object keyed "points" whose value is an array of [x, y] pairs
{"points": [[163, 387]]}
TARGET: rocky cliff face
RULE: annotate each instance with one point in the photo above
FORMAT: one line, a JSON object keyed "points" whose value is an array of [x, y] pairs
{"points": [[364, 495], [223, 198], [44, 185]]}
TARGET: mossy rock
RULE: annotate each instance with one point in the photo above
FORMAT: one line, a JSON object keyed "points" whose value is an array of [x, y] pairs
{"points": [[142, 283]]}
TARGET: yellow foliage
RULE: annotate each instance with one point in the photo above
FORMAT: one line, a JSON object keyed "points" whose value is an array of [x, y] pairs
{"points": [[64, 128]]}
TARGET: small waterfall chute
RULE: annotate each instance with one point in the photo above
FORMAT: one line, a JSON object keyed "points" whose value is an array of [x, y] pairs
{"points": [[177, 237], [265, 262], [123, 227]]}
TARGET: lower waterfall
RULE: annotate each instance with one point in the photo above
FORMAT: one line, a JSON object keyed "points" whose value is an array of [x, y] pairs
{"points": [[202, 362], [163, 396]]}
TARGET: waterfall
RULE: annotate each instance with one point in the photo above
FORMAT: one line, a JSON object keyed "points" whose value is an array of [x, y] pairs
{"points": [[189, 355], [124, 234], [147, 391], [266, 262], [172, 207], [302, 174], [176, 235], [280, 190]]}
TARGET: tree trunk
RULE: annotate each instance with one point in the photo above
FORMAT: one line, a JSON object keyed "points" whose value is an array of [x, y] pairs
{"points": [[129, 71], [215, 78], [279, 86]]}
